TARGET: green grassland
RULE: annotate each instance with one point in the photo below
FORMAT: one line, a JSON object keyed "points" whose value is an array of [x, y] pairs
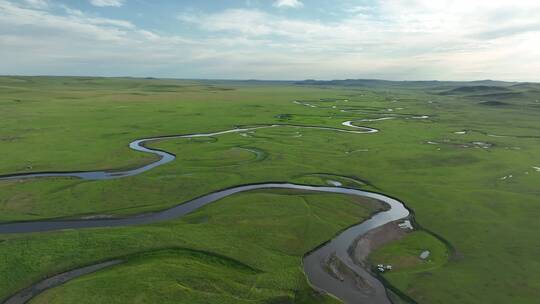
{"points": [[243, 248], [404, 256], [248, 248]]}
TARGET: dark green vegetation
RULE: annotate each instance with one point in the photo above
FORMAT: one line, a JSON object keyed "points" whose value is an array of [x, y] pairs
{"points": [[478, 191]]}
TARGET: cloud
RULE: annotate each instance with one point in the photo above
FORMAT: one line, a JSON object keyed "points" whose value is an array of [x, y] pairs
{"points": [[359, 9], [76, 43], [424, 40], [418, 39], [102, 3], [37, 3], [288, 3]]}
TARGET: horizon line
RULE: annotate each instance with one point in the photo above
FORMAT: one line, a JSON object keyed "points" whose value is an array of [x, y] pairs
{"points": [[264, 80]]}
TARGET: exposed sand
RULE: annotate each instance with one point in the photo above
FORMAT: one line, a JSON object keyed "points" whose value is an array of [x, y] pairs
{"points": [[375, 239]]}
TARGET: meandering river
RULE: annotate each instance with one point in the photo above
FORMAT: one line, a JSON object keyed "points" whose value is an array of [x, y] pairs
{"points": [[315, 263], [165, 157]]}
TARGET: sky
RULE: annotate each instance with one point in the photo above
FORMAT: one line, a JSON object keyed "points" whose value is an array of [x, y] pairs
{"points": [[273, 39]]}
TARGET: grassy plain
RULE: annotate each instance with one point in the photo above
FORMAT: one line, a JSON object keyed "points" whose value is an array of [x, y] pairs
{"points": [[242, 249], [457, 188]]}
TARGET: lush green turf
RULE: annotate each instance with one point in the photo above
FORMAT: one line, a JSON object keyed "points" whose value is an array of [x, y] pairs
{"points": [[404, 254], [455, 187], [248, 246], [404, 257]]}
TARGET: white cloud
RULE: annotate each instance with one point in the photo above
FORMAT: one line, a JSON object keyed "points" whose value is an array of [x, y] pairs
{"points": [[102, 3], [425, 40], [418, 39], [359, 9], [288, 3], [37, 3], [41, 42]]}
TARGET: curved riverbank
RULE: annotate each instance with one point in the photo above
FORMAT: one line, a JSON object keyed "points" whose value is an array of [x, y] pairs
{"points": [[314, 263], [28, 293], [164, 156]]}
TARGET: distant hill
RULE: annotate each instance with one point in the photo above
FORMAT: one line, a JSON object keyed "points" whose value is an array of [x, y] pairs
{"points": [[477, 89], [530, 86], [494, 103], [428, 84], [366, 82], [499, 96], [483, 92]]}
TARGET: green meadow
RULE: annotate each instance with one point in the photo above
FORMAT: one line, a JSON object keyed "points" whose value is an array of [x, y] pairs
{"points": [[470, 172]]}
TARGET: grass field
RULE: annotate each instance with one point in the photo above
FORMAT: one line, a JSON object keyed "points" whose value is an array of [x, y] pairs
{"points": [[478, 191], [257, 239]]}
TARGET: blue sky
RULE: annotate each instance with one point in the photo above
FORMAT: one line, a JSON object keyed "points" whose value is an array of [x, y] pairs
{"points": [[273, 39]]}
